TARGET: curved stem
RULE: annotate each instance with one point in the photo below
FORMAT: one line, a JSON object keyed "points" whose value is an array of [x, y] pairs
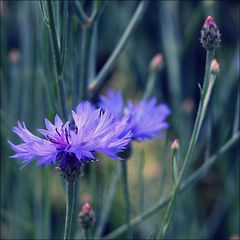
{"points": [[108, 202], [205, 96], [70, 195], [100, 79], [198, 174], [127, 198]]}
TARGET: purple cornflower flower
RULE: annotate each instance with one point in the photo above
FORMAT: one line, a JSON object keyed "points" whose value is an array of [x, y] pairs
{"points": [[146, 119], [70, 147]]}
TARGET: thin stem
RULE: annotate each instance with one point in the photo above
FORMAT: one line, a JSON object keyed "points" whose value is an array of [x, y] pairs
{"points": [[150, 84], [91, 71], [54, 37], [197, 175], [70, 195], [205, 95], [127, 197], [236, 118], [64, 30], [97, 10], [141, 182], [44, 15], [175, 168], [108, 202], [57, 58], [84, 62], [81, 83], [85, 233], [101, 77], [46, 199], [80, 12]]}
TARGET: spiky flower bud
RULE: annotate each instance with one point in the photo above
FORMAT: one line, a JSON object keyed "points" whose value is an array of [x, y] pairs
{"points": [[156, 62], [210, 35], [214, 68], [86, 216]]}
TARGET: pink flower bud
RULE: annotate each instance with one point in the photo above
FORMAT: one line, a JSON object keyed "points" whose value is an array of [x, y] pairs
{"points": [[86, 216], [210, 35], [214, 68], [175, 145], [14, 55], [156, 62]]}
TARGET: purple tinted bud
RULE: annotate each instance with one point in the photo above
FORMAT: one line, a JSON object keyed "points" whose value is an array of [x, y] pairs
{"points": [[86, 216], [210, 35]]}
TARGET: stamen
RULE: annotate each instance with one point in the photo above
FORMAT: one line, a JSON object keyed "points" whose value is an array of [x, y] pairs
{"points": [[66, 135], [52, 140], [57, 132]]}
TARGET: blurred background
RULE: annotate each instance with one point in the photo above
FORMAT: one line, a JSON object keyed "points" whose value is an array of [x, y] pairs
{"points": [[33, 199]]}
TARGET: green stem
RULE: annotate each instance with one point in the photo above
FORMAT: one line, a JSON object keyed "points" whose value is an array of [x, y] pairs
{"points": [[97, 9], [127, 197], [54, 37], [150, 84], [175, 163], [198, 174], [101, 77], [70, 195], [91, 71], [46, 199], [57, 58], [141, 182], [80, 12], [85, 233], [81, 84], [64, 31], [205, 96], [108, 202]]}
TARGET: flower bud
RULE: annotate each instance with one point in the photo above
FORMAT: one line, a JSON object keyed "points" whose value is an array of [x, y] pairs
{"points": [[214, 68], [175, 145], [175, 162], [210, 35], [14, 55], [86, 216], [156, 62]]}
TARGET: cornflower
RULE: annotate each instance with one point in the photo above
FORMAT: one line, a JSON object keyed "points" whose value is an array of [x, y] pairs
{"points": [[146, 119], [70, 146]]}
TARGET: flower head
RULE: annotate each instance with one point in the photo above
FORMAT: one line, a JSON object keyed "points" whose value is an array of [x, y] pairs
{"points": [[71, 147], [146, 119], [210, 35]]}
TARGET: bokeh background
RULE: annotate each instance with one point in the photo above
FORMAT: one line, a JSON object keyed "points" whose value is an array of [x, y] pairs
{"points": [[33, 199]]}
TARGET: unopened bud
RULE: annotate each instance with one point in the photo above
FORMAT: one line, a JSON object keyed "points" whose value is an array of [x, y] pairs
{"points": [[156, 62], [86, 216], [175, 145], [175, 168], [214, 68], [14, 55], [210, 35]]}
